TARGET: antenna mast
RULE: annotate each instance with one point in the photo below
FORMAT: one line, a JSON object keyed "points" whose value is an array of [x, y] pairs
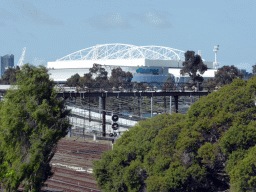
{"points": [[22, 58], [215, 64]]}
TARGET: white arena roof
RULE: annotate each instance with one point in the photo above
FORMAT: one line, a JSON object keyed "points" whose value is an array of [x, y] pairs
{"points": [[125, 51], [122, 55]]}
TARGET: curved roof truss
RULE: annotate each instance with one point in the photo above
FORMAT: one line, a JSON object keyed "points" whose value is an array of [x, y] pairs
{"points": [[125, 51]]}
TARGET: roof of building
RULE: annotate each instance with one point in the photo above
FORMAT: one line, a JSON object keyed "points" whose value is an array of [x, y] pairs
{"points": [[208, 73]]}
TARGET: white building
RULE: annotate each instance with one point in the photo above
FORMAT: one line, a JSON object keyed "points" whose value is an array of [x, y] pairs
{"points": [[146, 63]]}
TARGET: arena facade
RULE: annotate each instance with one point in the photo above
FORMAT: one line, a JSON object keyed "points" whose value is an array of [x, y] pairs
{"points": [[146, 63]]}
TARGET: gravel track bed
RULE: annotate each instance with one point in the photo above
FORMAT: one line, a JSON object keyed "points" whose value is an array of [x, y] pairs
{"points": [[68, 187], [81, 176], [76, 154], [76, 181]]}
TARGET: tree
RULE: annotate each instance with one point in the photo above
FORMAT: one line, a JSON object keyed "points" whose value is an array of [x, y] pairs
{"points": [[170, 80], [192, 64], [210, 84], [169, 83], [73, 80], [86, 79], [211, 148], [139, 85], [9, 76], [226, 74], [118, 75], [254, 69], [32, 121], [100, 73]]}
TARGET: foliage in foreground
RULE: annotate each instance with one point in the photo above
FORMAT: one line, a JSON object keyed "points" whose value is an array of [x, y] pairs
{"points": [[9, 76], [211, 148], [32, 121]]}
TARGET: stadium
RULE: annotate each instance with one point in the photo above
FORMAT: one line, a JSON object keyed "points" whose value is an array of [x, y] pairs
{"points": [[146, 63]]}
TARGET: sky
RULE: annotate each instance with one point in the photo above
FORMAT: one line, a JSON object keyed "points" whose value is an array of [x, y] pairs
{"points": [[52, 29]]}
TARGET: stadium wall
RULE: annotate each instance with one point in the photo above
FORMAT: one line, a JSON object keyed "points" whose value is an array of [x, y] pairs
{"points": [[89, 63]]}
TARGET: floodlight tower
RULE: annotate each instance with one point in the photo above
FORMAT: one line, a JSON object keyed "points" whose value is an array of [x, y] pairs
{"points": [[216, 49]]}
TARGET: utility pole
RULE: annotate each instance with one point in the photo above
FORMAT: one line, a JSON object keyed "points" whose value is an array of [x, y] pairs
{"points": [[139, 105], [151, 106], [89, 106], [164, 104], [176, 103], [170, 104], [103, 116]]}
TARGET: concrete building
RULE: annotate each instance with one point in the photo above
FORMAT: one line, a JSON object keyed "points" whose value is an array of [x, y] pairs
{"points": [[6, 61]]}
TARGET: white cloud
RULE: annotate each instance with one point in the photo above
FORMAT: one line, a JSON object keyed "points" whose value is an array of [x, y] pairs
{"points": [[154, 18], [20, 10], [109, 21]]}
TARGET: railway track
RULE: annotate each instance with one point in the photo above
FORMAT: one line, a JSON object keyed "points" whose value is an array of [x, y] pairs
{"points": [[72, 166]]}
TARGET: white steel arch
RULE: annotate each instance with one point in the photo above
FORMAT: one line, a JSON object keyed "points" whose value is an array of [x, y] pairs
{"points": [[125, 51]]}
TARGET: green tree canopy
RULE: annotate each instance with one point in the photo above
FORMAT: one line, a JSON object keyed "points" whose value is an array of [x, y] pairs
{"points": [[226, 74], [73, 80], [86, 79], [254, 69], [211, 148], [100, 72], [139, 85], [118, 75], [32, 121], [210, 84], [192, 64], [98, 77], [9, 76], [120, 78]]}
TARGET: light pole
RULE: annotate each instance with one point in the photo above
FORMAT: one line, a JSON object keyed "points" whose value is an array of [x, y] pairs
{"points": [[215, 64], [89, 106]]}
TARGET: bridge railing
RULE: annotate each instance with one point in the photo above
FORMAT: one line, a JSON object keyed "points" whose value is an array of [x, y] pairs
{"points": [[137, 86]]}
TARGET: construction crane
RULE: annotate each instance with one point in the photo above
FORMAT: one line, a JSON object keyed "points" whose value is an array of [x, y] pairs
{"points": [[22, 58]]}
